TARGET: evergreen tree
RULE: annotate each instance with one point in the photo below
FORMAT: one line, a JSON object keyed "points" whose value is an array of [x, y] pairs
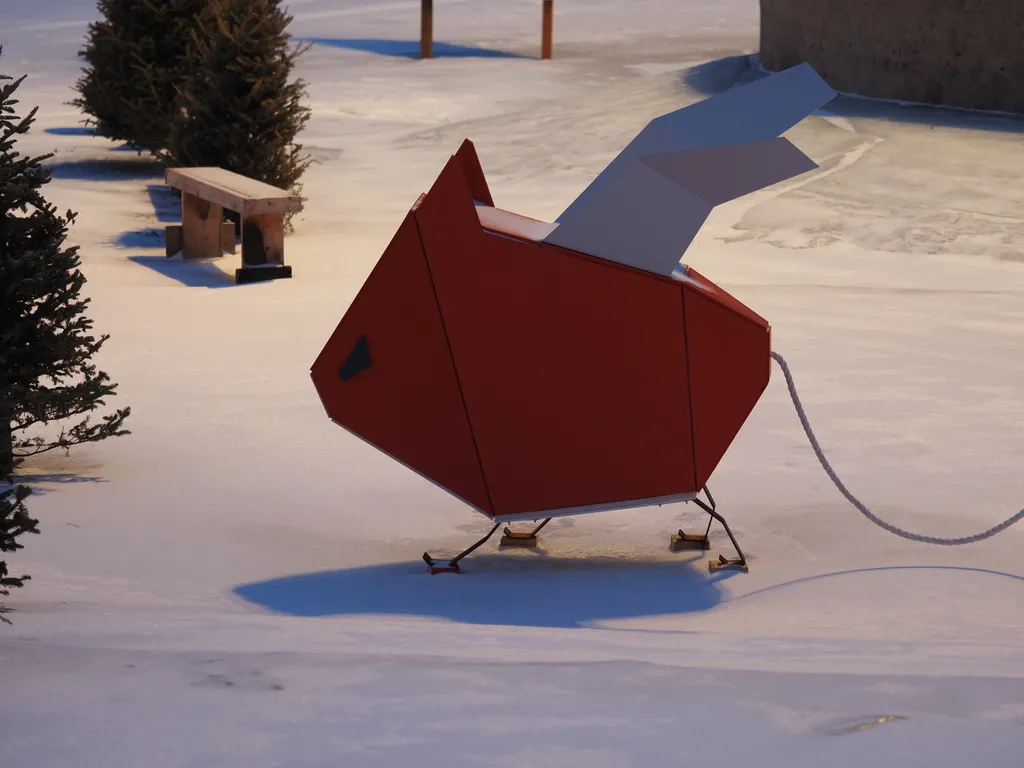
{"points": [[135, 55], [45, 347], [14, 521], [238, 107]]}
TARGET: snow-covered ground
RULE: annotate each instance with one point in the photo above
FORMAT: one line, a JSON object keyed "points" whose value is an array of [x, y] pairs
{"points": [[238, 582]]}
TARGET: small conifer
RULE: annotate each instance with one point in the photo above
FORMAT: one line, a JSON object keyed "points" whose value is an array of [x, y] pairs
{"points": [[135, 54], [239, 107], [46, 350]]}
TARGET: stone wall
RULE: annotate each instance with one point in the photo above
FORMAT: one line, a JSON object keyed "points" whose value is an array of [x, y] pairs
{"points": [[962, 53]]}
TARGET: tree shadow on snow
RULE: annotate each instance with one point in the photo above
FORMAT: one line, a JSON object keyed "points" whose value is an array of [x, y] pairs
{"points": [[194, 274], [499, 589], [410, 49], [85, 130], [35, 480], [105, 170], [76, 130], [720, 75], [27, 478]]}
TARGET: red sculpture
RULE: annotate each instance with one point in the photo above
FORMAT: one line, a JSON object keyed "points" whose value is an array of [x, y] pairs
{"points": [[535, 370]]}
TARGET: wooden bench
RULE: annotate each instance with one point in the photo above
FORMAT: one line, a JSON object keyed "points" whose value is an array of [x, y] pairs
{"points": [[203, 233]]}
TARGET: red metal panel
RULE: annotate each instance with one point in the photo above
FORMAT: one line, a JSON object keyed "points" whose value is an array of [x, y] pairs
{"points": [[727, 299], [729, 351], [574, 371], [407, 402], [474, 173]]}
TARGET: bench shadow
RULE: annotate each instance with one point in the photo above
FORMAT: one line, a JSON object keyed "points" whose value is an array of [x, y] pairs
{"points": [[497, 589], [201, 273], [150, 237], [194, 274], [410, 49], [720, 75], [105, 170], [166, 204]]}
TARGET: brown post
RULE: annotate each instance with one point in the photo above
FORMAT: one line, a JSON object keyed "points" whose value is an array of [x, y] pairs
{"points": [[426, 29], [546, 26]]}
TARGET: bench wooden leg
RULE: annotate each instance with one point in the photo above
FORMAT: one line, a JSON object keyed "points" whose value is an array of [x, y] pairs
{"points": [[172, 238], [200, 228], [262, 239], [262, 248], [227, 237]]}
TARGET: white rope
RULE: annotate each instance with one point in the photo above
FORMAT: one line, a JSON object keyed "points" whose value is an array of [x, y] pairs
{"points": [[853, 499]]}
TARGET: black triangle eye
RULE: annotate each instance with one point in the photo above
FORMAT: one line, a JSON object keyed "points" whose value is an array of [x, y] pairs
{"points": [[358, 360]]}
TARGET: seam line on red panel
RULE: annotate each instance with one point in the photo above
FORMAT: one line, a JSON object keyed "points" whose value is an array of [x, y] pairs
{"points": [[689, 385], [455, 367]]}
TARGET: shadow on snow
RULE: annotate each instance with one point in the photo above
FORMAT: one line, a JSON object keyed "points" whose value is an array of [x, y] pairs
{"points": [[76, 130], [194, 274], [720, 75], [105, 170], [875, 569], [410, 49], [525, 591], [85, 130], [506, 589], [37, 480], [166, 203]]}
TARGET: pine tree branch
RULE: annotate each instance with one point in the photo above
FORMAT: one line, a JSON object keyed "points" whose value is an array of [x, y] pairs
{"points": [[14, 522], [82, 432]]}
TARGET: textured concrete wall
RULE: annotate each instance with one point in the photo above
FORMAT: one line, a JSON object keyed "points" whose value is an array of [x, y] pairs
{"points": [[963, 53]]}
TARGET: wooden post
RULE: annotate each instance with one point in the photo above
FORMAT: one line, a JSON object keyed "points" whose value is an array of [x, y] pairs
{"points": [[426, 29], [546, 29]]}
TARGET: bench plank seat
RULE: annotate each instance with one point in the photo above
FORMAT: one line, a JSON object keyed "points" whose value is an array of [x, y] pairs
{"points": [[233, 191]]}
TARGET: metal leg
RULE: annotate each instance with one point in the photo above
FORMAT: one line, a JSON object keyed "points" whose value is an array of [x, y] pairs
{"points": [[522, 538], [683, 541], [453, 564], [722, 564]]}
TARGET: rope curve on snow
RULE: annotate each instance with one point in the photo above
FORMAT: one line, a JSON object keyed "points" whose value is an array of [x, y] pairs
{"points": [[856, 502]]}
